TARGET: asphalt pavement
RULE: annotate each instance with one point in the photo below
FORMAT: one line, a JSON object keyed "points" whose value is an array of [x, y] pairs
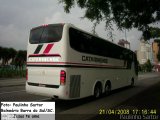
{"points": [[8, 82]]}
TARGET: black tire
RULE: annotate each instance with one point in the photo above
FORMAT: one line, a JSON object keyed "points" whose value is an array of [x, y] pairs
{"points": [[107, 89], [132, 83], [97, 91]]}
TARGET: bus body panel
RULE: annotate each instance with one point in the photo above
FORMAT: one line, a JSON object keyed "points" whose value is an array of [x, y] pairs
{"points": [[43, 75], [88, 79]]}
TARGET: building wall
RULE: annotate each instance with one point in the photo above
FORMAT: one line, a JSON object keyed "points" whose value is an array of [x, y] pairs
{"points": [[155, 52], [144, 52]]}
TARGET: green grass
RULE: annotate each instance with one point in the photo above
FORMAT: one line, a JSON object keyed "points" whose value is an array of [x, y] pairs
{"points": [[11, 73]]}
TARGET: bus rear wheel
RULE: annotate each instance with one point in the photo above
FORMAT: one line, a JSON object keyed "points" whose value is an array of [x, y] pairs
{"points": [[132, 82], [97, 91], [107, 89]]}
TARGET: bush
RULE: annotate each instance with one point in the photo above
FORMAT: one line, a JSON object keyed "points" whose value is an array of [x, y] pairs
{"points": [[147, 67], [11, 73]]}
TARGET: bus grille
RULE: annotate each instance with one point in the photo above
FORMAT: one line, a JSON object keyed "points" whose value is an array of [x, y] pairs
{"points": [[75, 82]]}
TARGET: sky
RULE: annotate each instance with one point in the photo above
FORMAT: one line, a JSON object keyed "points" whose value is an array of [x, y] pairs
{"points": [[17, 17]]}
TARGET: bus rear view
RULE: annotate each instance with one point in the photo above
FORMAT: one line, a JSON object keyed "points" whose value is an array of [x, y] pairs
{"points": [[45, 51], [66, 62]]}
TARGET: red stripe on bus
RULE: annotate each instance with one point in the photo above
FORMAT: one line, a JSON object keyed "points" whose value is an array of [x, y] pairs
{"points": [[48, 48], [40, 55]]}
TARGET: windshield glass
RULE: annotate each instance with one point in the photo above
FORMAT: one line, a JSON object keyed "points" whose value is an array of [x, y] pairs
{"points": [[46, 34]]}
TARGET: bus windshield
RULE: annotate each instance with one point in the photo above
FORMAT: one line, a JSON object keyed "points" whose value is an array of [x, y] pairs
{"points": [[46, 34]]}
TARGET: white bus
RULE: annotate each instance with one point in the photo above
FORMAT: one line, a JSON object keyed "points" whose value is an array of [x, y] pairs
{"points": [[65, 62]]}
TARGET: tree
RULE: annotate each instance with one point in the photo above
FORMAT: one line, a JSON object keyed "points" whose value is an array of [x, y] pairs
{"points": [[126, 14], [1, 52], [5, 55], [12, 53], [20, 59], [147, 67], [151, 32]]}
